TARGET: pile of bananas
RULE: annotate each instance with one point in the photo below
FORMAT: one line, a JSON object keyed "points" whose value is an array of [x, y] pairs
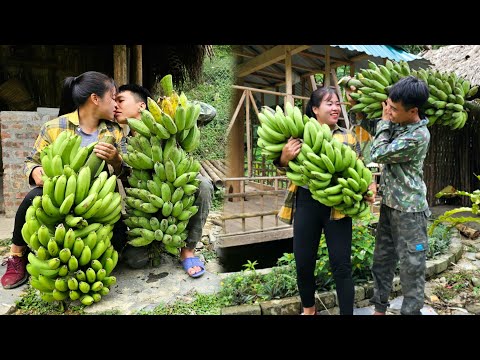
{"points": [[331, 169], [446, 104], [163, 181], [69, 228]]}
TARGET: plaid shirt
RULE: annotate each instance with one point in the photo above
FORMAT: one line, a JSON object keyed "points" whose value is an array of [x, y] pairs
{"points": [[51, 129], [287, 210]]}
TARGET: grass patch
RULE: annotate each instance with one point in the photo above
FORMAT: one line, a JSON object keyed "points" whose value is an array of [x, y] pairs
{"points": [[218, 199], [208, 254], [439, 241], [5, 246], [30, 303], [457, 282], [202, 304]]}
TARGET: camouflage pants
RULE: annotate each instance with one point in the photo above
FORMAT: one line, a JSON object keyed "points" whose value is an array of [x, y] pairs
{"points": [[401, 237], [203, 200]]}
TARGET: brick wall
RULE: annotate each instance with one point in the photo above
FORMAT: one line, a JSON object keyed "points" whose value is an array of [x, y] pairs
{"points": [[19, 129]]}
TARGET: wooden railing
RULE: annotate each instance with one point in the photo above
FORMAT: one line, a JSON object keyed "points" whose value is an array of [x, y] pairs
{"points": [[268, 205]]}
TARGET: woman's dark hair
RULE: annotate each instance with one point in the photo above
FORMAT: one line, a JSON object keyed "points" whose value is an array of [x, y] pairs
{"points": [[316, 98], [76, 90]]}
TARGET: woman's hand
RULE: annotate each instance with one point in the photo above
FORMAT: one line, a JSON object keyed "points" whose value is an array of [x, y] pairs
{"points": [[290, 151], [107, 152], [37, 175]]}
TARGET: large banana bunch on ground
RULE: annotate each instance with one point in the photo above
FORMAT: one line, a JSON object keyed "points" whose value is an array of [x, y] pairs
{"points": [[69, 228], [163, 185], [445, 105], [163, 180], [331, 169], [276, 128], [73, 264]]}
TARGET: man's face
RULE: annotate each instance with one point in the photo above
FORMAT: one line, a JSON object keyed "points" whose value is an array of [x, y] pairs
{"points": [[398, 114], [127, 107]]}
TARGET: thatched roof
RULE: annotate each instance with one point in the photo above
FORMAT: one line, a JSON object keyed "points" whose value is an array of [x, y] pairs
{"points": [[184, 62], [464, 60]]}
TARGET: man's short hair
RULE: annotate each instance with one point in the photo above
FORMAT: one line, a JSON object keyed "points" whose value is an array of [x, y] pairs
{"points": [[410, 91], [138, 91]]}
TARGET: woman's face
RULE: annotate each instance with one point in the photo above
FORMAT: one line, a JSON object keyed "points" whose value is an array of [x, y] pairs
{"points": [[328, 111], [107, 105]]}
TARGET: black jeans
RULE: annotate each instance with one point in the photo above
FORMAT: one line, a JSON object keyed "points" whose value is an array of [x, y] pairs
{"points": [[310, 219], [119, 238], [17, 238]]}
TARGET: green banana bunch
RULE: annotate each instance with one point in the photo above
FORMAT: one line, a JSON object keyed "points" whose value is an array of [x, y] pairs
{"points": [[447, 102], [331, 169]]}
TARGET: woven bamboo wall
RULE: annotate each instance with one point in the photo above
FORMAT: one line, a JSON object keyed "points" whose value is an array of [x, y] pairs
{"points": [[452, 159]]}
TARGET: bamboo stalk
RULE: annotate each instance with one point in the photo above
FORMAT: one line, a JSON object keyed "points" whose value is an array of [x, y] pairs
{"points": [[215, 170], [215, 179], [220, 165]]}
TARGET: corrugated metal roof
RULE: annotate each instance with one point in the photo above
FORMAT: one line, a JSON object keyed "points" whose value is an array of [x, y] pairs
{"points": [[383, 51]]}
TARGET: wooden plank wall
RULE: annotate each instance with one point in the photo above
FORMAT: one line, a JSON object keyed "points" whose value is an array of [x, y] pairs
{"points": [[43, 68]]}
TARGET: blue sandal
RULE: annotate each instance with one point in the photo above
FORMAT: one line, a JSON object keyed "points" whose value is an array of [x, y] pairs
{"points": [[191, 262]]}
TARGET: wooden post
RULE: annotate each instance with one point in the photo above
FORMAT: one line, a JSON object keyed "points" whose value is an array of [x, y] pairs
{"points": [[339, 94], [236, 151], [120, 64], [137, 65], [248, 129], [288, 75], [326, 76], [303, 94], [313, 83], [352, 70]]}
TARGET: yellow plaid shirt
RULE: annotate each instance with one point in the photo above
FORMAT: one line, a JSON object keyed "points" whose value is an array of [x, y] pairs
{"points": [[51, 129], [287, 210]]}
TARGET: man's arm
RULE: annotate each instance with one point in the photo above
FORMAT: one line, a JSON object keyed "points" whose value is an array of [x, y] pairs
{"points": [[399, 150]]}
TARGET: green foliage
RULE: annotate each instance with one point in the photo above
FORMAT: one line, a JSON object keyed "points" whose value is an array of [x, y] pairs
{"points": [[202, 304], [415, 49], [456, 282], [363, 245], [250, 265], [439, 241], [208, 254], [218, 198], [248, 286], [215, 89], [5, 246], [447, 216], [279, 283], [240, 288]]}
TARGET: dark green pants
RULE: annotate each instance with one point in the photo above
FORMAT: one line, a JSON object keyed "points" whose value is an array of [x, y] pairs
{"points": [[401, 238]]}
